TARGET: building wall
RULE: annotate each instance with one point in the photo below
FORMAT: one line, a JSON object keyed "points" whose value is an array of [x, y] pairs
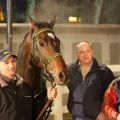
{"points": [[105, 39]]}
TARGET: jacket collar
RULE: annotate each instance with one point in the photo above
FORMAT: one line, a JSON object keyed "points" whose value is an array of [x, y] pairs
{"points": [[95, 65], [4, 81]]}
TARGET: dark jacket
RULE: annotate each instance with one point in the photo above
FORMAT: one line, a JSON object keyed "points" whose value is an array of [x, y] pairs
{"points": [[86, 97], [15, 99]]}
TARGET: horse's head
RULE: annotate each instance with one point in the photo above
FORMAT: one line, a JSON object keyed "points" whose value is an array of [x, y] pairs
{"points": [[46, 50]]}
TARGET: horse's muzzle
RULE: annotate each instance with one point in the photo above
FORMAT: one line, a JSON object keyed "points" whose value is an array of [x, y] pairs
{"points": [[62, 75]]}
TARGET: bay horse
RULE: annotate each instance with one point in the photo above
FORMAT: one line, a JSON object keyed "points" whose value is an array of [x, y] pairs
{"points": [[38, 58]]}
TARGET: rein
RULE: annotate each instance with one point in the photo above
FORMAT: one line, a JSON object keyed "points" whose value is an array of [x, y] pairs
{"points": [[45, 74]]}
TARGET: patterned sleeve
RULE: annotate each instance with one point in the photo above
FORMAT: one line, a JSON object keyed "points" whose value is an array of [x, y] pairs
{"points": [[109, 103]]}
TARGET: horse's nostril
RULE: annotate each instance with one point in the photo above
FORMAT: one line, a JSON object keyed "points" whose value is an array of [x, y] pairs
{"points": [[62, 76]]}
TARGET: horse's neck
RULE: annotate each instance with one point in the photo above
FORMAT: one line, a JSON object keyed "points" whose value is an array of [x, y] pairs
{"points": [[24, 68], [31, 75]]}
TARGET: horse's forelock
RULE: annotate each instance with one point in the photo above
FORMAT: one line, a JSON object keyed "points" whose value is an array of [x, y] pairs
{"points": [[43, 25]]}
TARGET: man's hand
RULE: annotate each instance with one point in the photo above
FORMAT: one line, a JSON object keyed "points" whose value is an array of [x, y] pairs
{"points": [[52, 93], [101, 116]]}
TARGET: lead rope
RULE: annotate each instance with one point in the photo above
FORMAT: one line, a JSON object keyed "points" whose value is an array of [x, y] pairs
{"points": [[44, 114]]}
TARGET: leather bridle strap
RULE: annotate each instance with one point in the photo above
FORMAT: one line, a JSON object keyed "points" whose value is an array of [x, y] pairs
{"points": [[36, 47]]}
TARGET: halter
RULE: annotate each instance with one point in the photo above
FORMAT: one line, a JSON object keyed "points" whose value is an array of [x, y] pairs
{"points": [[36, 47], [45, 75]]}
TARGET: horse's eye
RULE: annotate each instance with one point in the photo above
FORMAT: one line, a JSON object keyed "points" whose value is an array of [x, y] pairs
{"points": [[41, 44]]}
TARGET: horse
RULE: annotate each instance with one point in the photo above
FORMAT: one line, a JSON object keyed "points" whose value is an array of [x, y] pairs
{"points": [[39, 59]]}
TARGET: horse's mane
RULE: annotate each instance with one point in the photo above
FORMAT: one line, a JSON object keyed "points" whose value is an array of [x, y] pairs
{"points": [[43, 25]]}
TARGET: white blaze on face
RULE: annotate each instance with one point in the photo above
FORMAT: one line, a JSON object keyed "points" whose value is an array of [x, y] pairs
{"points": [[51, 35]]}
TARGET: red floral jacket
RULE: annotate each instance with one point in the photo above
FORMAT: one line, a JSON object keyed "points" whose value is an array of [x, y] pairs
{"points": [[110, 99]]}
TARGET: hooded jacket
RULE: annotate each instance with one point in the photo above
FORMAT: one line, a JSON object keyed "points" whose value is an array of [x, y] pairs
{"points": [[86, 96], [15, 99]]}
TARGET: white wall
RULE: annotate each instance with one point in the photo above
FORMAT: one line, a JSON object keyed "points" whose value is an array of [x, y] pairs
{"points": [[105, 39]]}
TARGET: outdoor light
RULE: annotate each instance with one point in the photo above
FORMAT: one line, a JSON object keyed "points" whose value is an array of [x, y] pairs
{"points": [[1, 14], [74, 19]]}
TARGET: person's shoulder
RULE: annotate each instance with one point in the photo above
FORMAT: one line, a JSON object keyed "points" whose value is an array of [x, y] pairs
{"points": [[116, 81], [19, 79], [104, 67], [73, 64], [115, 84], [70, 65], [99, 65]]}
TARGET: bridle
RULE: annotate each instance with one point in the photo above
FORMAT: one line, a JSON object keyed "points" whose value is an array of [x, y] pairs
{"points": [[36, 52], [45, 75]]}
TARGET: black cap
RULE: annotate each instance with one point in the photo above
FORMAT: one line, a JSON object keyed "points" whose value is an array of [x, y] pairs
{"points": [[5, 54]]}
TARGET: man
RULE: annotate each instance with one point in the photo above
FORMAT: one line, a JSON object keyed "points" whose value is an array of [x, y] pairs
{"points": [[111, 103], [15, 94], [88, 82]]}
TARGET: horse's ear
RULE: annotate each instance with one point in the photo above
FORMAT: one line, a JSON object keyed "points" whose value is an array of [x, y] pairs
{"points": [[52, 22], [33, 23]]}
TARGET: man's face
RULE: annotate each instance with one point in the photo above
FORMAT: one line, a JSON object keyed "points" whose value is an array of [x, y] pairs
{"points": [[85, 54], [8, 67]]}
